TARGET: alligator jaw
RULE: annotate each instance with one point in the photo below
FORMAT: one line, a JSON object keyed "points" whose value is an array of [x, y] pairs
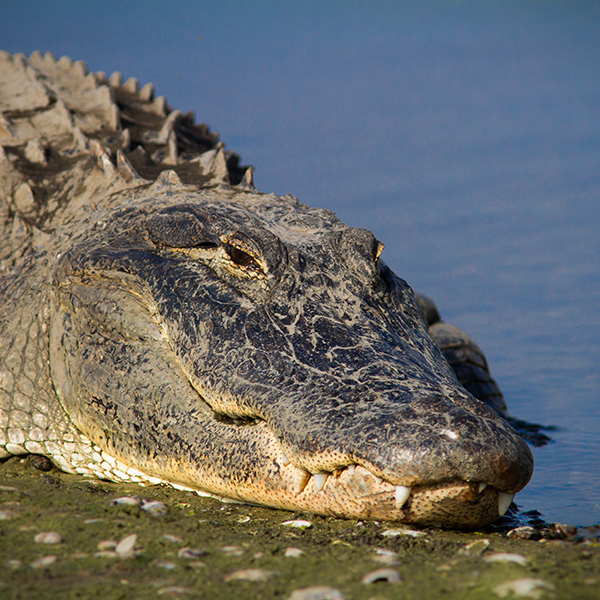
{"points": [[269, 478]]}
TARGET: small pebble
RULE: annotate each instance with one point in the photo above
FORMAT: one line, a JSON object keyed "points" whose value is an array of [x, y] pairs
{"points": [[173, 590], [48, 537], [293, 552], [125, 547], [232, 550], [44, 561], [6, 514], [388, 575], [13, 564], [506, 557], [126, 501], [476, 548], [316, 593], [106, 545], [39, 462], [399, 532], [389, 558], [175, 539], [243, 519], [191, 553], [561, 531], [524, 533], [106, 554], [251, 575], [155, 508], [298, 523], [165, 564], [8, 488], [526, 587]]}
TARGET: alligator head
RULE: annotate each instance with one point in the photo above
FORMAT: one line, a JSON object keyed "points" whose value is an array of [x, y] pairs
{"points": [[252, 347]]}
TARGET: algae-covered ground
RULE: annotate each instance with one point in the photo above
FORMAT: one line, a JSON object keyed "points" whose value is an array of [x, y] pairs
{"points": [[160, 542]]}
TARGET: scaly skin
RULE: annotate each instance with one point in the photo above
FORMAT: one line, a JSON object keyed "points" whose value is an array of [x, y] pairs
{"points": [[161, 320]]}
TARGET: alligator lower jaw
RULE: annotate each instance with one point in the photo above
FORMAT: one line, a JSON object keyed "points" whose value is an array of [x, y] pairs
{"points": [[356, 493], [353, 492]]}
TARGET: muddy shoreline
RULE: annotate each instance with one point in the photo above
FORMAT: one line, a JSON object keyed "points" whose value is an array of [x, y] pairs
{"points": [[166, 543]]}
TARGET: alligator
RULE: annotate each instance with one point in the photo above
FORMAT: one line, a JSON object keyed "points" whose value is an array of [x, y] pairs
{"points": [[163, 321]]}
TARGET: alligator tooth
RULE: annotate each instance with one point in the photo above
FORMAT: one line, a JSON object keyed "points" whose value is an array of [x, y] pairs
{"points": [[402, 493], [351, 469], [320, 479], [378, 480], [504, 501], [482, 487], [300, 480], [285, 461]]}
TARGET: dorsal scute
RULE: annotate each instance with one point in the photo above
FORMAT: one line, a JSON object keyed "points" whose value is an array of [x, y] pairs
{"points": [[55, 116]]}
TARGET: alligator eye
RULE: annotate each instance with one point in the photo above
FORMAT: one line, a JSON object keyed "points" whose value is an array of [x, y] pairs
{"points": [[241, 258]]}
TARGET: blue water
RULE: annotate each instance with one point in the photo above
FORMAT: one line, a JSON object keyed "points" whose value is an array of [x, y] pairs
{"points": [[466, 135]]}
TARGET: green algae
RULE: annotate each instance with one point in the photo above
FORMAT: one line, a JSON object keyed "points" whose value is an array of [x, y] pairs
{"points": [[226, 538]]}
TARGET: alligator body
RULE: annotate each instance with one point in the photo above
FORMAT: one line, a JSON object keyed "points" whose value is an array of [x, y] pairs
{"points": [[161, 320]]}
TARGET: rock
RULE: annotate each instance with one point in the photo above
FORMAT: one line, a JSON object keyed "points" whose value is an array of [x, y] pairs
{"points": [[232, 550], [14, 563], [399, 532], [298, 523], [48, 537], [106, 554], [174, 539], [476, 548], [251, 575], [106, 545], [316, 593], [191, 553], [387, 575], [155, 508], [524, 533], [44, 562], [506, 557], [125, 547], [389, 558], [526, 587], [293, 552], [126, 501]]}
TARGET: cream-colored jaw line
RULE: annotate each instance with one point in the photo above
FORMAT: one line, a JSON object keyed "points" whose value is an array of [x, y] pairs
{"points": [[351, 492]]}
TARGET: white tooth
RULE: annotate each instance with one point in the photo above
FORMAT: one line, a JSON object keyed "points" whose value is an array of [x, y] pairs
{"points": [[482, 487], [351, 469], [285, 461], [504, 501], [320, 479], [301, 479], [402, 494], [378, 480]]}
